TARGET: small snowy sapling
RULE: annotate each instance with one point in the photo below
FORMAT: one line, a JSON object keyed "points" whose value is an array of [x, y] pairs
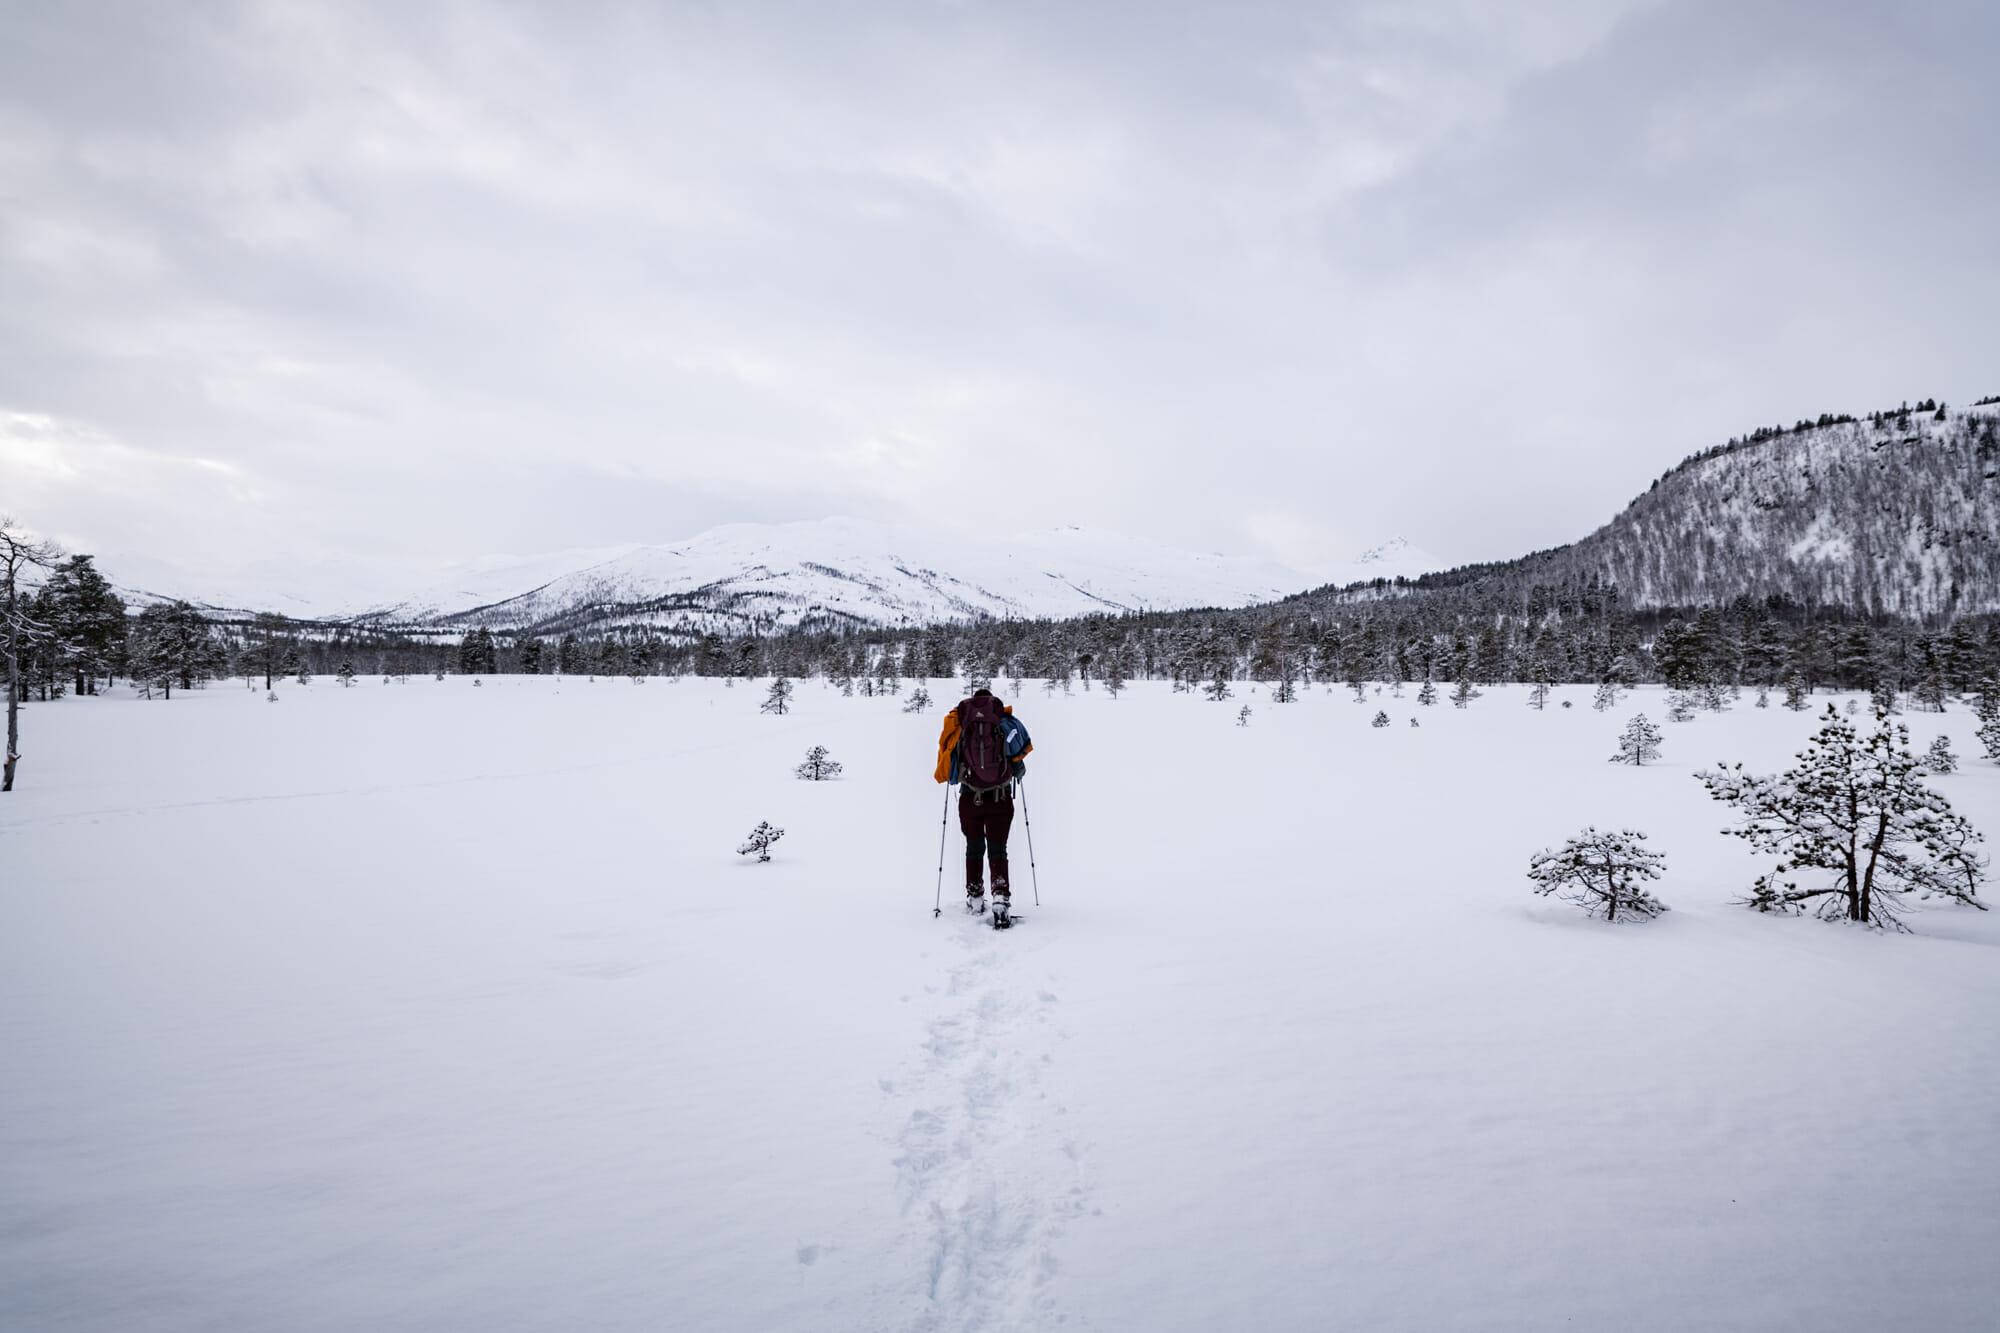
{"points": [[1939, 759], [1462, 694], [920, 699], [1857, 808], [818, 767], [346, 674], [1428, 695], [1639, 742], [1602, 873], [1606, 697], [1680, 706], [760, 840], [779, 699], [1381, 719], [1243, 716]]}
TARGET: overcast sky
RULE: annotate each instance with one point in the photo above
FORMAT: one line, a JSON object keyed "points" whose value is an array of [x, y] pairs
{"points": [[419, 281]]}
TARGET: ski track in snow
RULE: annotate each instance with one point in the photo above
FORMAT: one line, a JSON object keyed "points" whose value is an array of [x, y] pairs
{"points": [[988, 1170]]}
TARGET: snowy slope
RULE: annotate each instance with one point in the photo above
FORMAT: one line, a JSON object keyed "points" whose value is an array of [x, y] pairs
{"points": [[546, 1054]]}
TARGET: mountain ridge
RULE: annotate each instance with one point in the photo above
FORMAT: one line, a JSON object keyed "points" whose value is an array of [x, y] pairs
{"points": [[1896, 514]]}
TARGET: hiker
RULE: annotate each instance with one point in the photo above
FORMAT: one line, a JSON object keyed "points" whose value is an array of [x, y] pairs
{"points": [[981, 750]]}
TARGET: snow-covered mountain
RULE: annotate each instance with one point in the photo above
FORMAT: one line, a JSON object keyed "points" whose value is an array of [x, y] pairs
{"points": [[850, 571], [829, 572], [1895, 514]]}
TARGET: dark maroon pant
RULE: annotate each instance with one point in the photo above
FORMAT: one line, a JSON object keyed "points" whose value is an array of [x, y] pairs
{"points": [[985, 824]]}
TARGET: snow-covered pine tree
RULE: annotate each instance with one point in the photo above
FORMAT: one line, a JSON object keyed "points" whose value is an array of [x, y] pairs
{"points": [[1602, 873], [1857, 808], [1218, 689], [1462, 694], [818, 766], [1638, 743], [760, 840], [1243, 716], [919, 700], [1428, 695], [1381, 719], [1606, 697], [1543, 677], [1986, 707], [1939, 759], [346, 674], [1796, 693], [1680, 706], [779, 699], [1114, 673]]}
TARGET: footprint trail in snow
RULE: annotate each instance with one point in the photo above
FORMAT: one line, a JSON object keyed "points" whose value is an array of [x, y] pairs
{"points": [[988, 1169]]}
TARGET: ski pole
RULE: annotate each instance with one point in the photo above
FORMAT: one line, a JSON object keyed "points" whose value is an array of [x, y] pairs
{"points": [[944, 824], [1033, 878]]}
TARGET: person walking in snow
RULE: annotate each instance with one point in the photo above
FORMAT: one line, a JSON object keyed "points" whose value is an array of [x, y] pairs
{"points": [[982, 750]]}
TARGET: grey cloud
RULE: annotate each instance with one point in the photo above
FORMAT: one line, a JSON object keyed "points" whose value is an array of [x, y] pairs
{"points": [[1282, 279]]}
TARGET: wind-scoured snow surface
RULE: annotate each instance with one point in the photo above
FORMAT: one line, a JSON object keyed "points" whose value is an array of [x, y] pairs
{"points": [[443, 1005]]}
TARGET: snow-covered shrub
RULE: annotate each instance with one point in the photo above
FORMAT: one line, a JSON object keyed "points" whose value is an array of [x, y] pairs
{"points": [[1428, 695], [819, 766], [1606, 697], [1601, 872], [1680, 706], [1381, 719], [760, 840], [919, 700], [1243, 716], [1462, 694], [1856, 808], [1939, 759], [1218, 689], [1639, 742]]}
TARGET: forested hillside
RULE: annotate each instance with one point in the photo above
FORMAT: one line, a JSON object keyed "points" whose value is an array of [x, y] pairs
{"points": [[1891, 515]]}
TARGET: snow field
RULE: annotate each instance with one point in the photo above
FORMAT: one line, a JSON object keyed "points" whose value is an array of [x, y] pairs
{"points": [[425, 1005]]}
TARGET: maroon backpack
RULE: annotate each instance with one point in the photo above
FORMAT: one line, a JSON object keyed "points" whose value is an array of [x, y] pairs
{"points": [[982, 742]]}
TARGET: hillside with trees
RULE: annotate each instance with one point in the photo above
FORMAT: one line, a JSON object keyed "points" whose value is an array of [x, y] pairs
{"points": [[1890, 515]]}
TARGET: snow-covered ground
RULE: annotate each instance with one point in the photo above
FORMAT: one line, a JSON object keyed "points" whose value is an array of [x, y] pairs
{"points": [[439, 1006]]}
